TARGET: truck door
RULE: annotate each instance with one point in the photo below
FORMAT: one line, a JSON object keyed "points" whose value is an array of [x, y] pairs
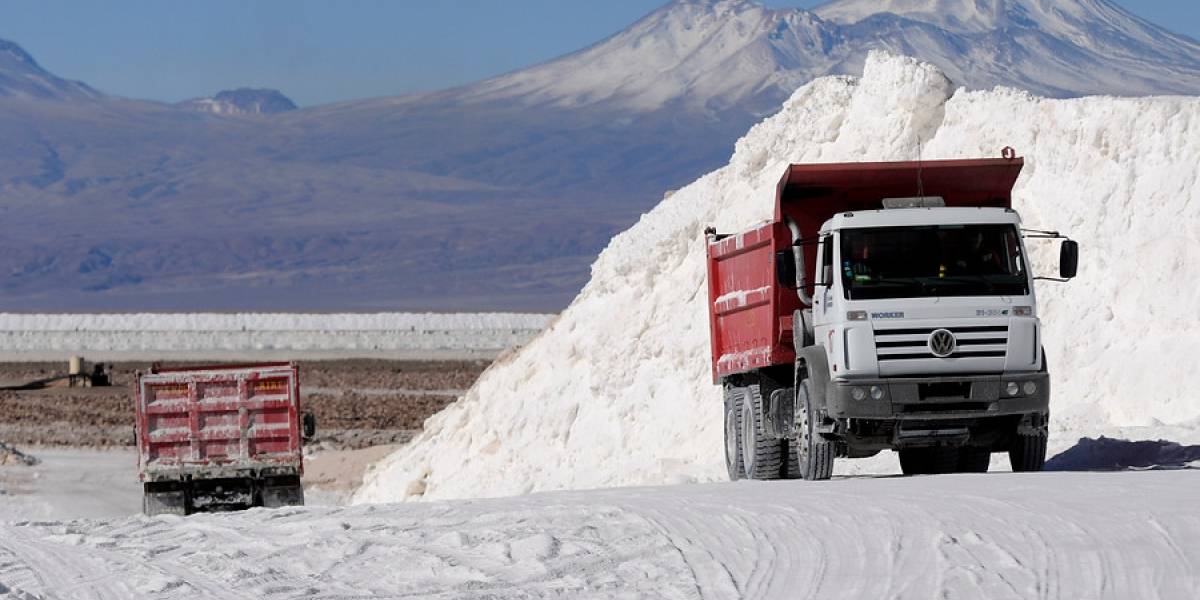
{"points": [[824, 298]]}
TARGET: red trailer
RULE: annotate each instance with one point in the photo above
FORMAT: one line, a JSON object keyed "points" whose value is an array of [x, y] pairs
{"points": [[220, 437]]}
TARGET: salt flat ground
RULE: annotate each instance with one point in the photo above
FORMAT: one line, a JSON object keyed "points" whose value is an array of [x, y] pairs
{"points": [[999, 535]]}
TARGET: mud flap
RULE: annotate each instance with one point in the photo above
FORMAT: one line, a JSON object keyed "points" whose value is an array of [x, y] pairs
{"points": [[282, 491], [780, 418], [172, 502]]}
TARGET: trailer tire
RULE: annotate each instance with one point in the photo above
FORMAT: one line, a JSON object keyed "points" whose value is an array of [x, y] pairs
{"points": [[810, 456], [733, 432], [1027, 453], [934, 460], [762, 456]]}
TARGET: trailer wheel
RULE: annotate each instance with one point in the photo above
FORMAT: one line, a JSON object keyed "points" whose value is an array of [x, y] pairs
{"points": [[733, 432], [810, 456], [762, 456], [1027, 453], [929, 461]]}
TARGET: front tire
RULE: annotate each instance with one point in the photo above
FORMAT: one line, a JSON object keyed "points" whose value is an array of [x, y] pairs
{"points": [[1027, 453], [813, 454]]}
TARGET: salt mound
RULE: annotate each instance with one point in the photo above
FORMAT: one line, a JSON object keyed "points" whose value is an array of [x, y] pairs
{"points": [[617, 390]]}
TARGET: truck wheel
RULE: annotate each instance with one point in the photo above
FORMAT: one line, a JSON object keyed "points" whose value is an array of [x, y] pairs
{"points": [[810, 456], [733, 432], [928, 461], [1027, 453], [762, 457], [973, 459]]}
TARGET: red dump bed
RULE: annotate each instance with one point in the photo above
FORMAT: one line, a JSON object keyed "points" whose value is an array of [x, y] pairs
{"points": [[219, 421], [750, 314]]}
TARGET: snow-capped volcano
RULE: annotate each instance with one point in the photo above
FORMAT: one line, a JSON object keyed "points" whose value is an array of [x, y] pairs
{"points": [[722, 54], [22, 77], [698, 53]]}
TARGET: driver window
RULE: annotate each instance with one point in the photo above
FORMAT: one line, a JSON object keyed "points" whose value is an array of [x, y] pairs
{"points": [[826, 261]]}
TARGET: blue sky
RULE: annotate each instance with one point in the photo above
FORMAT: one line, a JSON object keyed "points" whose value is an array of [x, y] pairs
{"points": [[324, 51]]}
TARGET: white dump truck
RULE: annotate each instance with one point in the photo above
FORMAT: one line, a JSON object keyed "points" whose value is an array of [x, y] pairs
{"points": [[886, 306]]}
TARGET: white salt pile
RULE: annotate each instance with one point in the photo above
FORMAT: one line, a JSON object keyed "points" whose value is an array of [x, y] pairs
{"points": [[617, 391]]}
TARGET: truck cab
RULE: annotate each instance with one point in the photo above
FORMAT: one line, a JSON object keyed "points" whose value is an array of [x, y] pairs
{"points": [[891, 321]]}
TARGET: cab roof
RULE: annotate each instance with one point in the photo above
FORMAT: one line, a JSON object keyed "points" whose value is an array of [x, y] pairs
{"points": [[902, 217]]}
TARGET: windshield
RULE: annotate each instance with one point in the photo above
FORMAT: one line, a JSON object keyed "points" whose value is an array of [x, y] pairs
{"points": [[933, 260]]}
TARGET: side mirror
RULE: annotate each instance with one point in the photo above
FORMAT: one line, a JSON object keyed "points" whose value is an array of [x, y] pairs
{"points": [[1068, 259], [309, 426], [785, 269]]}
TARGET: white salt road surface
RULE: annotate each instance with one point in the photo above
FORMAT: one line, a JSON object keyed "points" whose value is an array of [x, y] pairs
{"points": [[70, 483], [1044, 535], [97, 484], [264, 336], [617, 390]]}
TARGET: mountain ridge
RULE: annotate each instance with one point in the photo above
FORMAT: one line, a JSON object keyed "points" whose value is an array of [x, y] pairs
{"points": [[491, 195], [22, 77]]}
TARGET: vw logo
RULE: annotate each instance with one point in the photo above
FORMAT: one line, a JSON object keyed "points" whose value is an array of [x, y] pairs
{"points": [[942, 343]]}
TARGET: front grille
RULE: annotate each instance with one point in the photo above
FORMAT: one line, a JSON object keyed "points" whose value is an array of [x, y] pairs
{"points": [[979, 341]]}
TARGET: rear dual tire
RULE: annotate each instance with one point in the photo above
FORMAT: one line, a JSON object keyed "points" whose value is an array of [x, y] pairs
{"points": [[750, 454], [733, 433], [762, 456]]}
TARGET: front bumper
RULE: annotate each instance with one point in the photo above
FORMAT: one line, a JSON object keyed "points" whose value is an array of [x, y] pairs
{"points": [[930, 398]]}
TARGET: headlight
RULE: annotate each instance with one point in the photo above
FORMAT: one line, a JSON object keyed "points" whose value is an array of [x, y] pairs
{"points": [[1011, 388], [858, 394], [1022, 311], [1030, 388], [876, 392]]}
